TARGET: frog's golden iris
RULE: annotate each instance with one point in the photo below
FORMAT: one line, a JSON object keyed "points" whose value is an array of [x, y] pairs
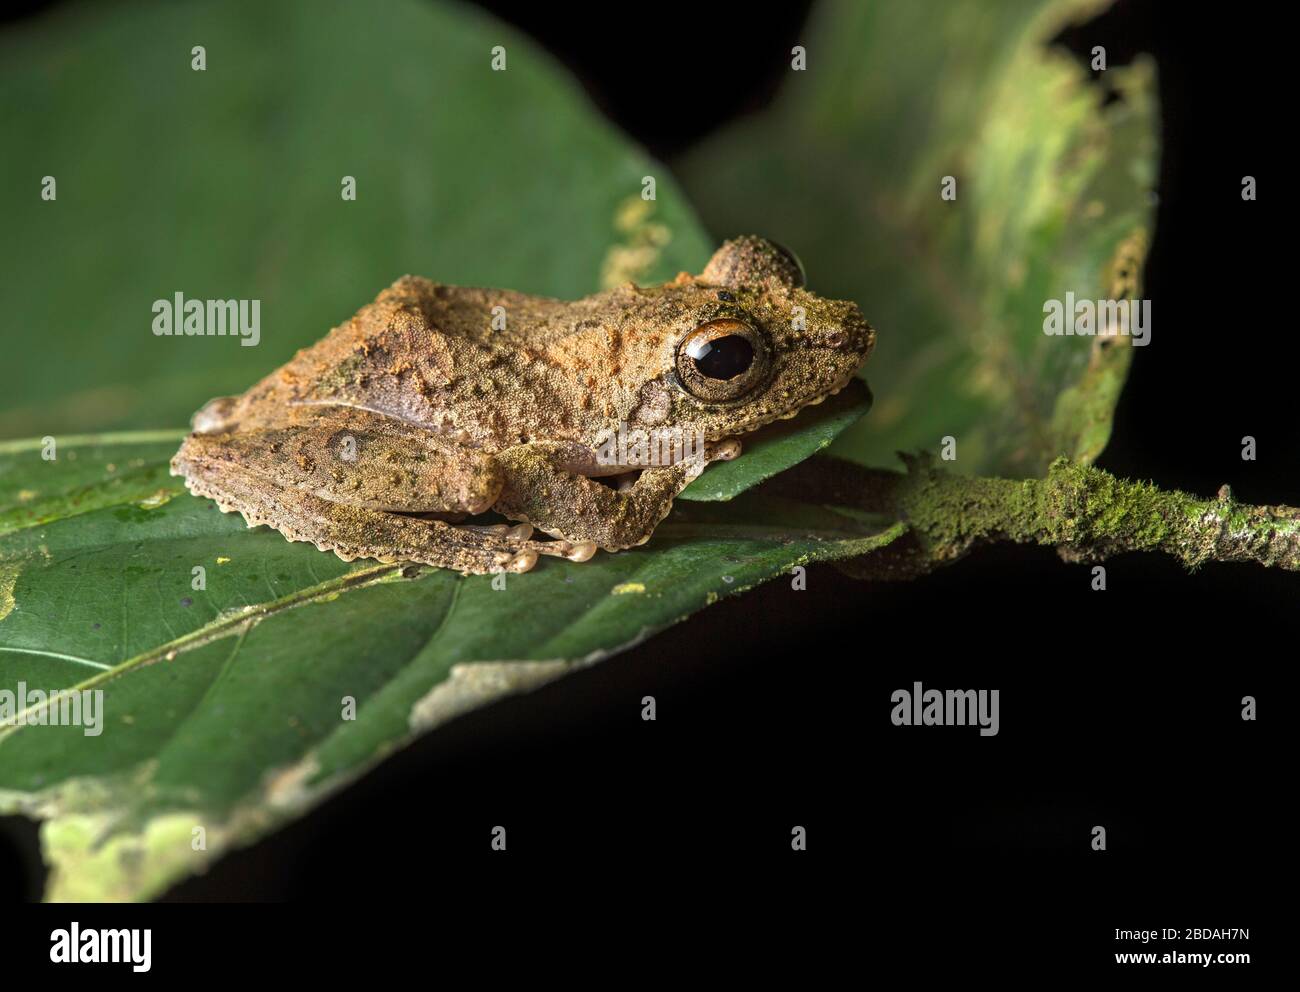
{"points": [[723, 360]]}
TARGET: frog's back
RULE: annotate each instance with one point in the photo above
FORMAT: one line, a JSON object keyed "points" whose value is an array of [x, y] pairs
{"points": [[436, 357]]}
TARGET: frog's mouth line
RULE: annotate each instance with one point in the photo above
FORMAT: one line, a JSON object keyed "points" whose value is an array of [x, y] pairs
{"points": [[752, 426]]}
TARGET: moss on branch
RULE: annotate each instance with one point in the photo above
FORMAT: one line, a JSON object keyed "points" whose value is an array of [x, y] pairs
{"points": [[1087, 514]]}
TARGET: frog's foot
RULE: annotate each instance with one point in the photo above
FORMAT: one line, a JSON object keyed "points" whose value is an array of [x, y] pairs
{"points": [[353, 532], [572, 550], [518, 536], [722, 451]]}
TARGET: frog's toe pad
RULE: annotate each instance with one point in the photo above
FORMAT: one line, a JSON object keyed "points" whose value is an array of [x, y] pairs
{"points": [[724, 451], [582, 551], [523, 561]]}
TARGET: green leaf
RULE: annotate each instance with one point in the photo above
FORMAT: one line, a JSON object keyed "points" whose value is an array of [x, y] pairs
{"points": [[94, 472], [1053, 196], [223, 706]]}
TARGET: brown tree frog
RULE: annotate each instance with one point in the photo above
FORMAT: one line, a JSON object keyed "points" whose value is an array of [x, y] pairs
{"points": [[435, 403]]}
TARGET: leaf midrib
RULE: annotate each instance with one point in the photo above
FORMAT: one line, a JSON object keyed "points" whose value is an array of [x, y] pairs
{"points": [[214, 630]]}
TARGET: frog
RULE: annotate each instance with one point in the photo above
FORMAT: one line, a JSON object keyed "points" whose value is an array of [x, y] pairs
{"points": [[437, 404]]}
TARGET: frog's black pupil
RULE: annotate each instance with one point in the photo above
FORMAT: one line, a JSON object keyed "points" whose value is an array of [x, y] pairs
{"points": [[724, 357]]}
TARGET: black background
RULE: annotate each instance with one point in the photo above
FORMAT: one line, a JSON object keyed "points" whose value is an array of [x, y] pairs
{"points": [[1119, 708]]}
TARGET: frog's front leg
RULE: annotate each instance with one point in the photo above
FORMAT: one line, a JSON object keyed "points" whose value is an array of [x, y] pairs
{"points": [[539, 490]]}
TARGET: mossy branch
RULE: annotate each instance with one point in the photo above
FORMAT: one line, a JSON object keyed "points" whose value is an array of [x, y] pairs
{"points": [[1087, 514]]}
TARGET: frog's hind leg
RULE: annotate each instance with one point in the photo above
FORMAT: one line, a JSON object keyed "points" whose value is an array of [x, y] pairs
{"points": [[358, 532], [308, 483], [353, 458]]}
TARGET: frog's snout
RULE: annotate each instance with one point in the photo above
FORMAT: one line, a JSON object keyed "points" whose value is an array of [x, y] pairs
{"points": [[841, 330], [851, 337], [860, 336]]}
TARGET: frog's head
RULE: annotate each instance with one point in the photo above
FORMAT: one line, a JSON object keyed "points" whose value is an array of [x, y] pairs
{"points": [[758, 347]]}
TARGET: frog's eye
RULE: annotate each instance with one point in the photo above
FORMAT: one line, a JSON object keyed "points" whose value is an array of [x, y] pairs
{"points": [[722, 360]]}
